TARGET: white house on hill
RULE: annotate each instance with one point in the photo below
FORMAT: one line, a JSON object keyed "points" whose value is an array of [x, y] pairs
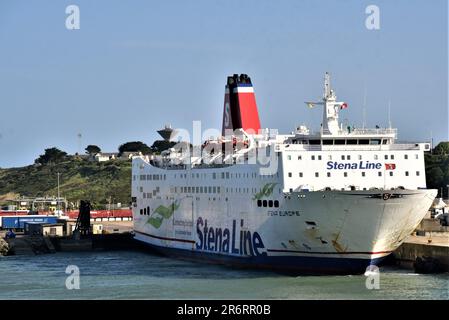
{"points": [[107, 156]]}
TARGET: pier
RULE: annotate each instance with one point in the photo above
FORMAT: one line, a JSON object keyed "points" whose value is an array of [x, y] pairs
{"points": [[436, 252], [427, 250], [115, 235]]}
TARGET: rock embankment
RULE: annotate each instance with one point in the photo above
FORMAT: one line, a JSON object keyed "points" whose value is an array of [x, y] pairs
{"points": [[4, 247]]}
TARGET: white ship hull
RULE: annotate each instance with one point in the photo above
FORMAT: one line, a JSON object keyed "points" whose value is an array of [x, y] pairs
{"points": [[311, 232]]}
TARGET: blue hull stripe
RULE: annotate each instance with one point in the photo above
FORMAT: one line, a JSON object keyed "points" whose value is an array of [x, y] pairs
{"points": [[321, 252], [270, 250], [291, 264]]}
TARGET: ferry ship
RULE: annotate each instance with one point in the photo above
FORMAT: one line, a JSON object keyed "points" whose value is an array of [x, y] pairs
{"points": [[334, 201]]}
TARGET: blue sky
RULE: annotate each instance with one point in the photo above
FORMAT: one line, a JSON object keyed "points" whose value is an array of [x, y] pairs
{"points": [[135, 65]]}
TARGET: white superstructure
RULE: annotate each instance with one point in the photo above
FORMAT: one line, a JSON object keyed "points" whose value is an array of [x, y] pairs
{"points": [[331, 201]]}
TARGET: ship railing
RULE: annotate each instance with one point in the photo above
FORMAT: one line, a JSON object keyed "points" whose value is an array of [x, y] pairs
{"points": [[190, 166], [356, 132], [377, 131], [390, 147]]}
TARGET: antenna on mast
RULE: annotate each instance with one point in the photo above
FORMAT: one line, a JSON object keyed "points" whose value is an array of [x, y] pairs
{"points": [[327, 85], [331, 106]]}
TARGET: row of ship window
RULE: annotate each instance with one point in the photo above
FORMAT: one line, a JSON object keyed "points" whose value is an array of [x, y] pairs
{"points": [[145, 211], [215, 175], [202, 190], [342, 141], [155, 177], [268, 203], [348, 157], [260, 203], [345, 174], [214, 190], [199, 189]]}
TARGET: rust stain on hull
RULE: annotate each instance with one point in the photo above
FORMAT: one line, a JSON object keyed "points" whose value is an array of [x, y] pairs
{"points": [[338, 246]]}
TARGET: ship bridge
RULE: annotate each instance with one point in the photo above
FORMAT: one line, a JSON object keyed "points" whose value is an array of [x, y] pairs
{"points": [[348, 136]]}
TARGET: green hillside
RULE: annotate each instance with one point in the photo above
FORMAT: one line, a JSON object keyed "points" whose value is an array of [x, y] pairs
{"points": [[79, 179]]}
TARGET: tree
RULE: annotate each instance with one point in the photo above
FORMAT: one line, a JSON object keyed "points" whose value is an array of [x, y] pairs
{"points": [[435, 177], [446, 176], [92, 149], [51, 155], [134, 146], [161, 145], [442, 148]]}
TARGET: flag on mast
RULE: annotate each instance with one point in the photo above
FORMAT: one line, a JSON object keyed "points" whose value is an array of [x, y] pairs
{"points": [[310, 104], [344, 105]]}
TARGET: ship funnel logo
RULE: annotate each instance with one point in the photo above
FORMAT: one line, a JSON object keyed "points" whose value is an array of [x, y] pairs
{"points": [[227, 115]]}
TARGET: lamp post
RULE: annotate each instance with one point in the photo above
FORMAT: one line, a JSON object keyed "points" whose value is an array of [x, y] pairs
{"points": [[57, 200]]}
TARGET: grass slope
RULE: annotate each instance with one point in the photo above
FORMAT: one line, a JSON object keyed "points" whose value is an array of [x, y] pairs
{"points": [[79, 179]]}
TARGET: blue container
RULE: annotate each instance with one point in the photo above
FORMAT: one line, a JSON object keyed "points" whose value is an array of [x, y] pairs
{"points": [[18, 222], [10, 222]]}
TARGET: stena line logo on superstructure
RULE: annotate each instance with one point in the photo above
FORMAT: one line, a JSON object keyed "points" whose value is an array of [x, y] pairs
{"points": [[224, 240], [362, 165]]}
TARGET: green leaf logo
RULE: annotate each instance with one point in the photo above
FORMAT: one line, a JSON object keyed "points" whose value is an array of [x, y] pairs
{"points": [[266, 191], [161, 213]]}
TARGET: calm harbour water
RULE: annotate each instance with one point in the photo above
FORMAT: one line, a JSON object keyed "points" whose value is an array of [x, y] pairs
{"points": [[140, 275]]}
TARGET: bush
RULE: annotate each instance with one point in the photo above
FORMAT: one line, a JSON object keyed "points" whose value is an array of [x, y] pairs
{"points": [[51, 155]]}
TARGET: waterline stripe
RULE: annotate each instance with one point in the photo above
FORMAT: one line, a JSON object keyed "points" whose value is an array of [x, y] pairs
{"points": [[316, 252], [165, 238]]}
